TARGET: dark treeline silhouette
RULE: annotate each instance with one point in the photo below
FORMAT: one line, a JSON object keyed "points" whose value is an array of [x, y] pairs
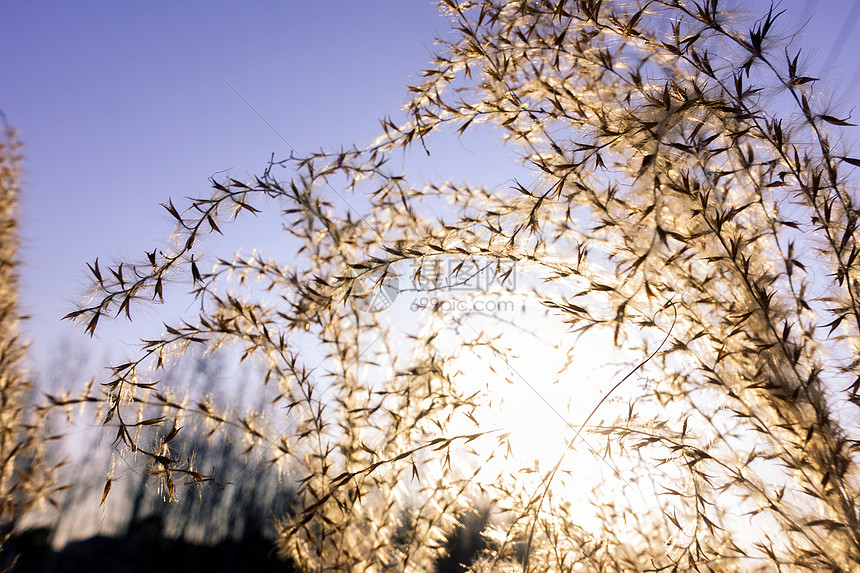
{"points": [[145, 548], [214, 527]]}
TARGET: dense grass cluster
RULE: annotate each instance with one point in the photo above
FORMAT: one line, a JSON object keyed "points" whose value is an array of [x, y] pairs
{"points": [[25, 478], [691, 201]]}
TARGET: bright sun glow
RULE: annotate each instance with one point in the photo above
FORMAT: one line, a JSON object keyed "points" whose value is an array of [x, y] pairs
{"points": [[541, 383]]}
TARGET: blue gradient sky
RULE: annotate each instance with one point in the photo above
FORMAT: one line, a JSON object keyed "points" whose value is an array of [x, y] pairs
{"points": [[121, 106]]}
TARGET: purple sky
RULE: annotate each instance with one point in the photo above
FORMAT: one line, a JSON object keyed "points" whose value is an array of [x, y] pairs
{"points": [[122, 106]]}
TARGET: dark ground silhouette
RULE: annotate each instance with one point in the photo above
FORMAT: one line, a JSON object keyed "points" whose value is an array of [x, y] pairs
{"points": [[143, 549]]}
